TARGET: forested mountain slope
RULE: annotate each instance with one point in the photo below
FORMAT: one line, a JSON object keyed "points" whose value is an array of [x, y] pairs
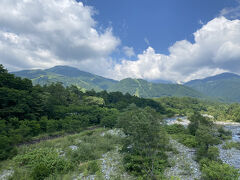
{"points": [[142, 88], [73, 76], [68, 76], [224, 86]]}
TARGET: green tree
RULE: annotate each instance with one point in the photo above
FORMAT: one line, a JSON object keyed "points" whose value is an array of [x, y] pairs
{"points": [[145, 144]]}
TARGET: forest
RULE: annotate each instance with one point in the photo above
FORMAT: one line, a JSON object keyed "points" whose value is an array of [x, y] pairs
{"points": [[32, 114]]}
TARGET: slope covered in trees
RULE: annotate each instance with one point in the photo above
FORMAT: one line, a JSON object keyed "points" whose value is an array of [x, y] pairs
{"points": [[68, 76], [224, 87], [27, 111], [142, 88], [138, 87]]}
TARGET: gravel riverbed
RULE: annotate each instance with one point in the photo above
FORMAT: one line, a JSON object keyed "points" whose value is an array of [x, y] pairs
{"points": [[183, 164]]}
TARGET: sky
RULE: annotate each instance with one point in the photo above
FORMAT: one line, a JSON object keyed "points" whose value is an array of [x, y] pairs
{"points": [[154, 40]]}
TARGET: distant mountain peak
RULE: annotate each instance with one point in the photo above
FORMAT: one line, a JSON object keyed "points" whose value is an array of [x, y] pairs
{"points": [[67, 71], [224, 86], [225, 75]]}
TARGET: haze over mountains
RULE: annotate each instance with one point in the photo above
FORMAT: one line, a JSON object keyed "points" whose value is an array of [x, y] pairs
{"points": [[224, 87]]}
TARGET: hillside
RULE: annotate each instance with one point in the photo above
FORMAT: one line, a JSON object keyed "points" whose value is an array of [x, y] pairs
{"points": [[73, 76], [224, 86], [142, 88], [68, 76], [54, 132]]}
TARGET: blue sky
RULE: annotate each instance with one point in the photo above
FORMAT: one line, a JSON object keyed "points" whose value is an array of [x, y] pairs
{"points": [[161, 22], [173, 40]]}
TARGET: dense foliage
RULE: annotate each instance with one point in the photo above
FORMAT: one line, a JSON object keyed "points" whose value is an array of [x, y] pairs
{"points": [[187, 106], [27, 111], [145, 144], [68, 76]]}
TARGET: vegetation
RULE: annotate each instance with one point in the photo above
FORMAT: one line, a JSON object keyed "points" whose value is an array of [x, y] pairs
{"points": [[213, 170], [230, 145], [87, 81], [202, 134], [68, 76], [145, 144], [142, 88], [27, 111], [63, 158], [186, 106], [224, 87], [81, 121]]}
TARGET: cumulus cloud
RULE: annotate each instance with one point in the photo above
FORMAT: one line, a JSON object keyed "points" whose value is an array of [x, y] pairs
{"points": [[216, 49], [128, 51], [44, 33]]}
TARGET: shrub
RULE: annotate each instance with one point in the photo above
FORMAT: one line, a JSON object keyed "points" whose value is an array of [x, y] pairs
{"points": [[6, 148], [93, 167], [43, 162], [222, 131], [224, 134], [175, 129], [212, 170], [213, 153], [40, 172], [230, 145], [108, 121], [189, 141], [186, 139]]}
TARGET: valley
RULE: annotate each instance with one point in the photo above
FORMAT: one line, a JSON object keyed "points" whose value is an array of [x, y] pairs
{"points": [[64, 132], [119, 90]]}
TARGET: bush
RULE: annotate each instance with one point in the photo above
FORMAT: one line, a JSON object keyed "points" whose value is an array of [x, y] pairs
{"points": [[224, 134], [230, 145], [213, 153], [222, 131], [6, 148], [92, 147], [40, 172], [212, 170], [43, 162], [175, 129], [189, 141], [93, 167], [186, 139], [196, 120], [108, 121]]}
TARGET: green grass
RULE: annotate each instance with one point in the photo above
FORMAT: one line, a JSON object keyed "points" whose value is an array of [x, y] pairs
{"points": [[61, 161]]}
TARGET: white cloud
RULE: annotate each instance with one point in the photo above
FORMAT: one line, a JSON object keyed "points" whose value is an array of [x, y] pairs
{"points": [[216, 49], [44, 33], [231, 12], [128, 51]]}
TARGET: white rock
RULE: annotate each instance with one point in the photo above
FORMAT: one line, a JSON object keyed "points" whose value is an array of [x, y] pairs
{"points": [[73, 147]]}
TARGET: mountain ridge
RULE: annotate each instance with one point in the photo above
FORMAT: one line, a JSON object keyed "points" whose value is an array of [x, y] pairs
{"points": [[73, 76], [224, 86]]}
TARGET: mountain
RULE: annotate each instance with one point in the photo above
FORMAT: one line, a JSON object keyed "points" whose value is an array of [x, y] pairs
{"points": [[225, 86], [73, 76], [161, 81], [142, 88], [68, 76]]}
